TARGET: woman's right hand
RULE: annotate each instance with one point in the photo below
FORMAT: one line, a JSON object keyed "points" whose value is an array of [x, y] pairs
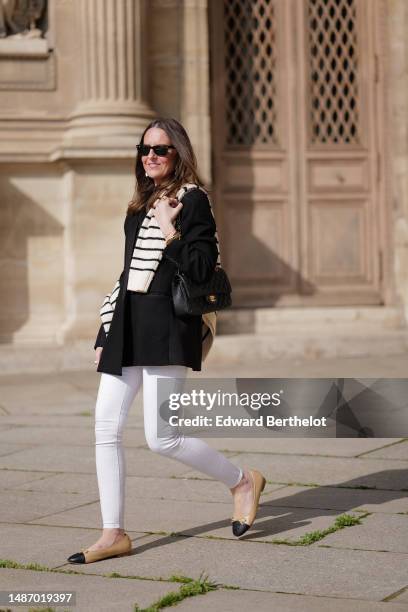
{"points": [[98, 353]]}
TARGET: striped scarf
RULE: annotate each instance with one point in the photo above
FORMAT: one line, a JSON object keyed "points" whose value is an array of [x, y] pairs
{"points": [[147, 254]]}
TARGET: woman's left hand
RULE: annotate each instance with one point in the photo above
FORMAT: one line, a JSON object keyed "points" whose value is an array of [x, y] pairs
{"points": [[166, 210]]}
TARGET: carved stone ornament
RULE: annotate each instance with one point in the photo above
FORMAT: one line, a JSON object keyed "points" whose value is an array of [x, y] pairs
{"points": [[19, 18]]}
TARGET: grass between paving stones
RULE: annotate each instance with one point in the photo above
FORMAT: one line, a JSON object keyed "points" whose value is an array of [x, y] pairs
{"points": [[190, 588], [10, 564], [344, 520]]}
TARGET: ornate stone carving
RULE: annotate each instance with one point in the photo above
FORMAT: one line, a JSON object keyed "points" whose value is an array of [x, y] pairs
{"points": [[22, 18]]}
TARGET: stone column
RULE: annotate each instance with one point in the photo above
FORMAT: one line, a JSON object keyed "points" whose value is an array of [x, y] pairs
{"points": [[113, 109], [98, 152]]}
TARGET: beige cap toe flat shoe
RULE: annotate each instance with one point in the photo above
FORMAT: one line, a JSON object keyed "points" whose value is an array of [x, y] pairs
{"points": [[121, 548]]}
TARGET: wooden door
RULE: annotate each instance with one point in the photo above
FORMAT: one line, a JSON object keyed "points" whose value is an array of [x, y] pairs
{"points": [[296, 102]]}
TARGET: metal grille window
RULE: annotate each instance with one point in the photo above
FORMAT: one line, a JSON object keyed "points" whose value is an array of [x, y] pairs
{"points": [[250, 74], [334, 111]]}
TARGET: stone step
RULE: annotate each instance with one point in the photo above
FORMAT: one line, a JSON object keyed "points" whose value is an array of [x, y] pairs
{"points": [[307, 344], [264, 320], [265, 334], [227, 349]]}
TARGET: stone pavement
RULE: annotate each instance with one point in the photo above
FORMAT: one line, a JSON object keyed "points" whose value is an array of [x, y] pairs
{"points": [[179, 520]]}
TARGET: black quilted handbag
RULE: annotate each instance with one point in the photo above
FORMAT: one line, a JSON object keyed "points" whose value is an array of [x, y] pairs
{"points": [[190, 298]]}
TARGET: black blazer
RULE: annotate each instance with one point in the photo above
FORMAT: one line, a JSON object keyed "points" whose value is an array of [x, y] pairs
{"points": [[196, 253]]}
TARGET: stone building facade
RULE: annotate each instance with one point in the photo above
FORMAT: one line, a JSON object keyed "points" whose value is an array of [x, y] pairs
{"points": [[297, 110]]}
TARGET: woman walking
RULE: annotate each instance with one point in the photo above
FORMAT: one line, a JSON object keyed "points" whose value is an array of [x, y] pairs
{"points": [[141, 339]]}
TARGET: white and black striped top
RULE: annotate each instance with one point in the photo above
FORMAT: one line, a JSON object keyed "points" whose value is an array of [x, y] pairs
{"points": [[147, 254]]}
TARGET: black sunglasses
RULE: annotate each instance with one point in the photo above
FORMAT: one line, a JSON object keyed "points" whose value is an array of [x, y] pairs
{"points": [[160, 150]]}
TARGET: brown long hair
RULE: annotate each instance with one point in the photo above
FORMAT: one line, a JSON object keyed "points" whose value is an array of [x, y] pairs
{"points": [[185, 169]]}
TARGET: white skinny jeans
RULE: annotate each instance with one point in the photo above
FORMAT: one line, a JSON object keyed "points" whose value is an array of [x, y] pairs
{"points": [[115, 396]]}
